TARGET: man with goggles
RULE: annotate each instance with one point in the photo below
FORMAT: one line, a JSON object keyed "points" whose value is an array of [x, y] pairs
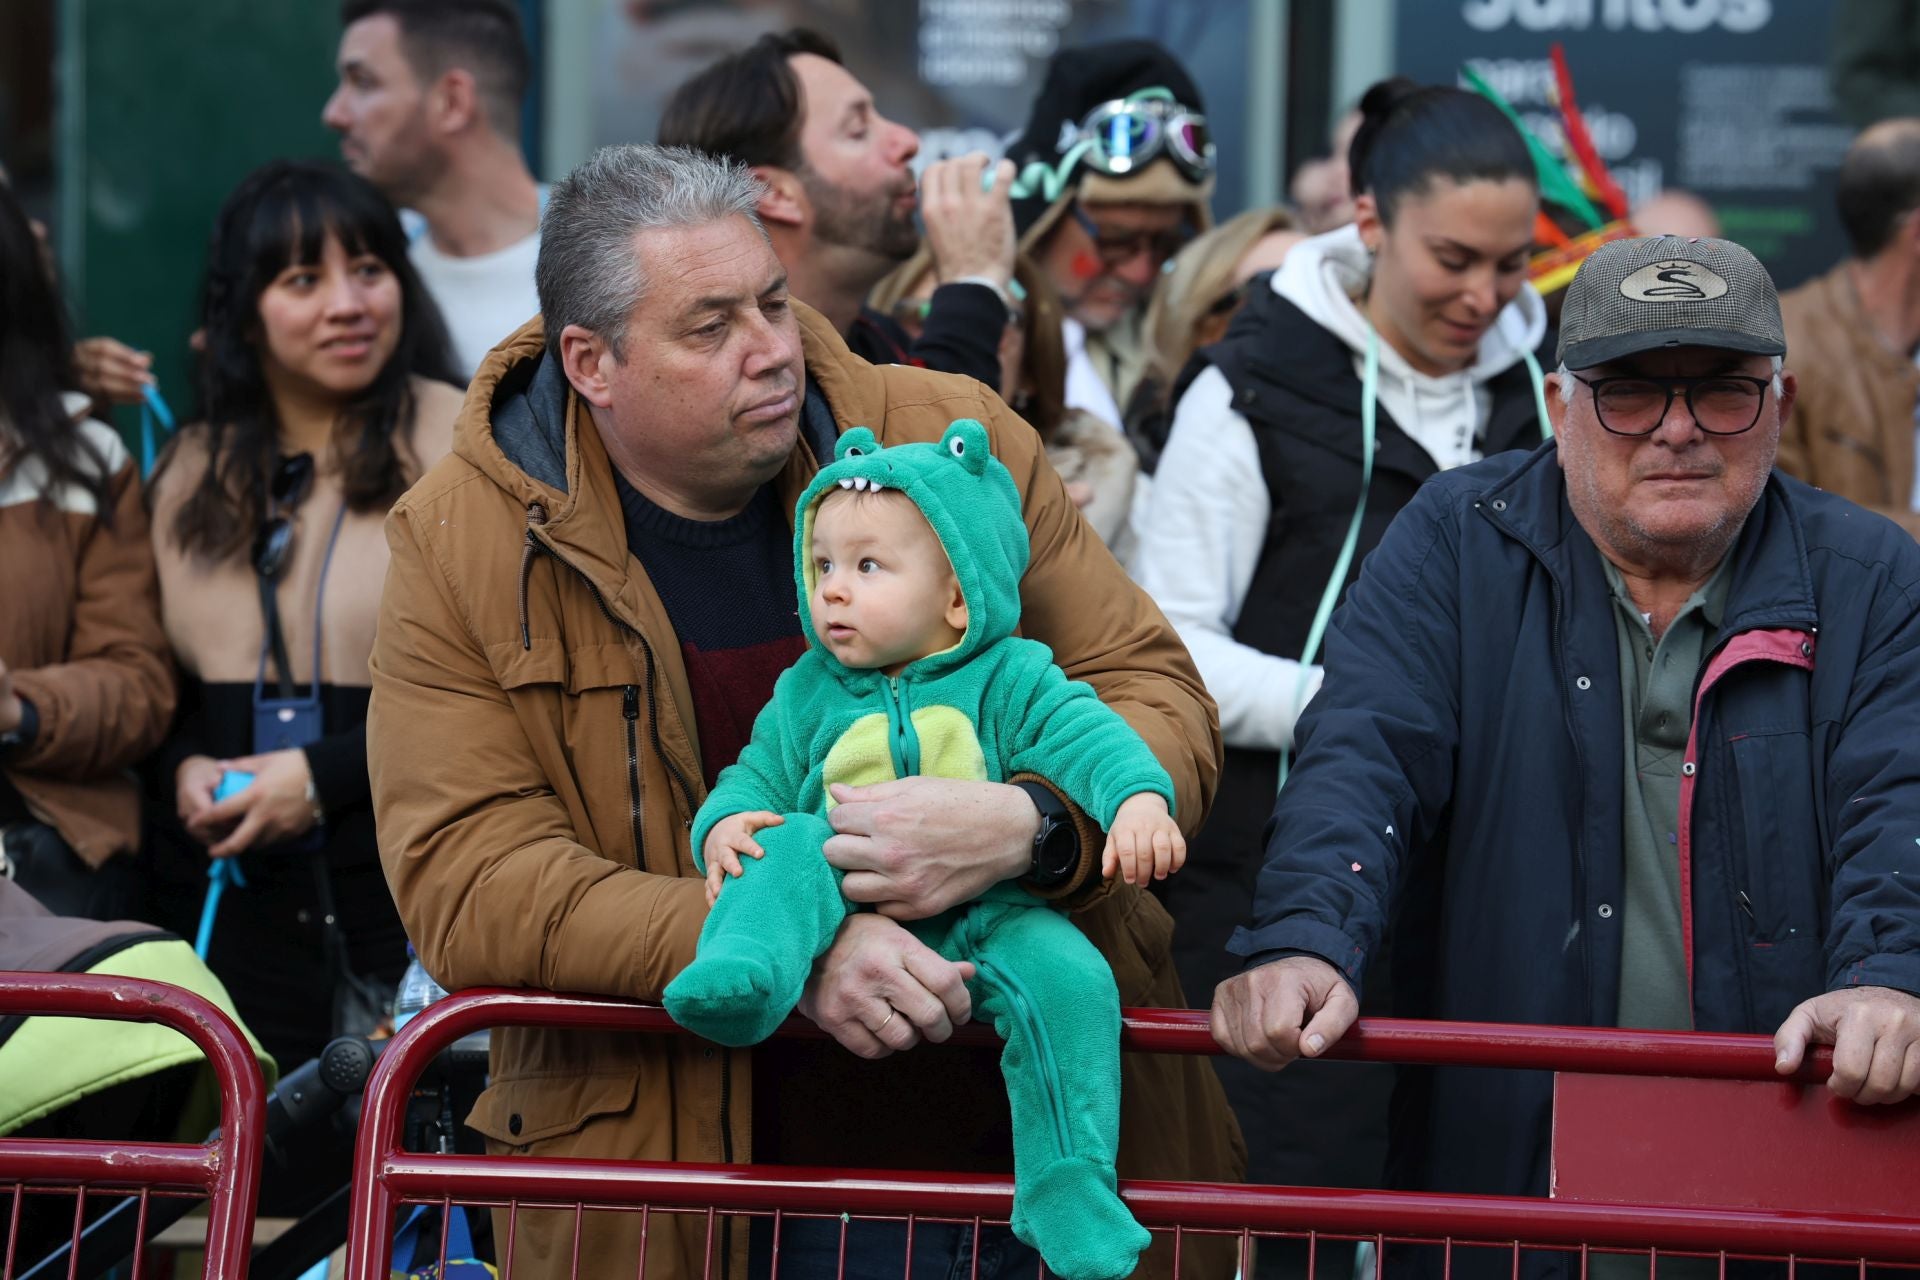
{"points": [[1115, 167]]}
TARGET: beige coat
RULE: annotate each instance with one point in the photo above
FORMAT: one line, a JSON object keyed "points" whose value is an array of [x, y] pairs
{"points": [[521, 650], [1851, 430], [80, 630]]}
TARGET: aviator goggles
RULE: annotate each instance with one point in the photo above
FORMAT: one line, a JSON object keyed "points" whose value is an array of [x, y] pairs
{"points": [[1120, 137], [1123, 135]]}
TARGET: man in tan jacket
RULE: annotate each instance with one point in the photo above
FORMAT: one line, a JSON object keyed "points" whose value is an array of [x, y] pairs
{"points": [[586, 606], [1853, 334]]}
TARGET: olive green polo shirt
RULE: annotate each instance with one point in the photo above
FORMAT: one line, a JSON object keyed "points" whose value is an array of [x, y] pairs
{"points": [[1656, 682]]}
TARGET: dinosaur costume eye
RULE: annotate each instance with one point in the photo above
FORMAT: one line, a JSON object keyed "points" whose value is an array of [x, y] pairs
{"points": [[957, 447]]}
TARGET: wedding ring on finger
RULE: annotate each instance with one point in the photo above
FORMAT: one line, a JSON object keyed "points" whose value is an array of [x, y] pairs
{"points": [[891, 1014]]}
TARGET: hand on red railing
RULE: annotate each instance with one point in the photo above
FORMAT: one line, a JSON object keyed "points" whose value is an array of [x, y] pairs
{"points": [[1875, 1034], [1296, 1007]]}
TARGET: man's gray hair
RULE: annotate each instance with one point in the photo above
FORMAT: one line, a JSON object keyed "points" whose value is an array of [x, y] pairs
{"points": [[1567, 383], [588, 273]]}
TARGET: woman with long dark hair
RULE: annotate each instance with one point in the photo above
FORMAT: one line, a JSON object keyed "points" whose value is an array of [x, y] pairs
{"points": [[86, 688], [1376, 356], [323, 390]]}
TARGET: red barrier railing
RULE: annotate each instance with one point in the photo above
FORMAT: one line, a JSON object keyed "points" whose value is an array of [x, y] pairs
{"points": [[225, 1169], [387, 1177]]}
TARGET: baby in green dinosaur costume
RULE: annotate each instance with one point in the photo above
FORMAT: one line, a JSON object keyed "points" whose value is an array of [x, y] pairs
{"points": [[908, 561]]}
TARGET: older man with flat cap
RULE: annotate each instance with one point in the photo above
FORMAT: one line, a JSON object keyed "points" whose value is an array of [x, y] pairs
{"points": [[1625, 726]]}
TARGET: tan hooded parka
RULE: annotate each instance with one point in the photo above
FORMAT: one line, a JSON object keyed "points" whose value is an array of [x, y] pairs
{"points": [[535, 769]]}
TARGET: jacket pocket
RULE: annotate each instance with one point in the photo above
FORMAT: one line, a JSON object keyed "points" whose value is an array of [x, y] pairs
{"points": [[1779, 882], [515, 1114]]}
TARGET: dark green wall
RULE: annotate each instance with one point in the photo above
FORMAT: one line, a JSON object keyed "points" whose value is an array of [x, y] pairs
{"points": [[164, 106]]}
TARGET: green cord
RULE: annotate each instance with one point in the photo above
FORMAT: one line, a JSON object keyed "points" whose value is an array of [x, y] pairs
{"points": [[1369, 393]]}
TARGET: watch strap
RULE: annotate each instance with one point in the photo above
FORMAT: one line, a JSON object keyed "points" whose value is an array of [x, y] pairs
{"points": [[1056, 847]]}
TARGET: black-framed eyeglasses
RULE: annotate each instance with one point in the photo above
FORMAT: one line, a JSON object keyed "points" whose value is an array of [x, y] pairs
{"points": [[1117, 248], [286, 489], [1721, 404]]}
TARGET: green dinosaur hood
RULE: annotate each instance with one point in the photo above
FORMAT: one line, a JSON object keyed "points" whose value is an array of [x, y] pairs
{"points": [[969, 498]]}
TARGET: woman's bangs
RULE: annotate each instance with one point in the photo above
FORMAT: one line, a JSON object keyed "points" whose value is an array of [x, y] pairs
{"points": [[293, 222]]}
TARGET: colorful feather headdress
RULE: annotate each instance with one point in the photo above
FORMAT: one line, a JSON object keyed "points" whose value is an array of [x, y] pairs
{"points": [[1581, 208]]}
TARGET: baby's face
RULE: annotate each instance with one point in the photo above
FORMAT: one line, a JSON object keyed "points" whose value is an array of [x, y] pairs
{"points": [[883, 593]]}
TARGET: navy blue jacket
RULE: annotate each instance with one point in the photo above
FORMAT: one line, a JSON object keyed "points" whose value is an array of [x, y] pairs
{"points": [[1466, 757]]}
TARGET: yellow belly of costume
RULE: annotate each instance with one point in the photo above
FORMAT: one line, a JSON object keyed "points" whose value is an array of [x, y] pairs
{"points": [[949, 748]]}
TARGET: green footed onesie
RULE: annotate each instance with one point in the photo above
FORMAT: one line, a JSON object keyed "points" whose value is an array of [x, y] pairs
{"points": [[992, 706]]}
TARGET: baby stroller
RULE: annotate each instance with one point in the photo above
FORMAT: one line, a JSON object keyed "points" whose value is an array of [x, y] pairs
{"points": [[113, 1081]]}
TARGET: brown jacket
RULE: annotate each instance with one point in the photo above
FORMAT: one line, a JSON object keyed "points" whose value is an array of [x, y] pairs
{"points": [[535, 769], [1851, 430], [80, 630]]}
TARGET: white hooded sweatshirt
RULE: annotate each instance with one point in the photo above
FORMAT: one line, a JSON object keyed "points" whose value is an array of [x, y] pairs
{"points": [[1206, 520]]}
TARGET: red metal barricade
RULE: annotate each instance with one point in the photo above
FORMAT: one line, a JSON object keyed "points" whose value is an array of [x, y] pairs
{"points": [[225, 1169], [1737, 1218]]}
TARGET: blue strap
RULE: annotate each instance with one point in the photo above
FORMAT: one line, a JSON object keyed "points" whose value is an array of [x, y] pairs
{"points": [[152, 408], [221, 872], [1369, 410]]}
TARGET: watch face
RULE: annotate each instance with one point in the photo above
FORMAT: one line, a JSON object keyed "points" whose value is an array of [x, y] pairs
{"points": [[1056, 847]]}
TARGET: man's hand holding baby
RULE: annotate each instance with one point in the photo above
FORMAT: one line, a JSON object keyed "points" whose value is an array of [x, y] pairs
{"points": [[727, 840], [1144, 842]]}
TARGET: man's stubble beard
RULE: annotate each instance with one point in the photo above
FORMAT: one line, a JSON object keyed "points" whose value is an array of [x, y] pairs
{"points": [[1613, 529], [851, 222], [408, 172]]}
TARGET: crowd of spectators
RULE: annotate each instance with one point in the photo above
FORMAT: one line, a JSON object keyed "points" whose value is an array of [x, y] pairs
{"points": [[1578, 636]]}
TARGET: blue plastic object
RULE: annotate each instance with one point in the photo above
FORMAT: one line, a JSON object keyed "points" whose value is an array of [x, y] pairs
{"points": [[156, 423], [221, 872], [232, 783]]}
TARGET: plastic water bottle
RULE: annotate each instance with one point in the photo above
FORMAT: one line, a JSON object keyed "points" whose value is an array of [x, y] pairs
{"points": [[416, 991]]}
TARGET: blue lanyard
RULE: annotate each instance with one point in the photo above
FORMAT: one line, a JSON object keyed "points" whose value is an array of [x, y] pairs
{"points": [[152, 409], [222, 872]]}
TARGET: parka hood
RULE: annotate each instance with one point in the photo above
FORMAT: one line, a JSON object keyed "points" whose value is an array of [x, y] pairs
{"points": [[973, 505]]}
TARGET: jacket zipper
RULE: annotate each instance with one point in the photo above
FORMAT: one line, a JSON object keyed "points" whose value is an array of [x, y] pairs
{"points": [[1580, 771], [536, 546], [630, 708], [1740, 904], [903, 742], [646, 649], [1585, 934], [1021, 1009]]}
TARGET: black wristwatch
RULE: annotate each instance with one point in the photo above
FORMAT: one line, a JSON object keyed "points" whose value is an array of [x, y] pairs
{"points": [[1056, 846]]}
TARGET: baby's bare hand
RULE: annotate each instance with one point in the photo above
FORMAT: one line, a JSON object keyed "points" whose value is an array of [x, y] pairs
{"points": [[1144, 842], [731, 837]]}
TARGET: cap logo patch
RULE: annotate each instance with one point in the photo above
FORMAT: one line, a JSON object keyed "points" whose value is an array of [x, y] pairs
{"points": [[1674, 280]]}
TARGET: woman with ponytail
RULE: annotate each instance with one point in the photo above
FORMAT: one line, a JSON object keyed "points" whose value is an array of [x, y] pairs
{"points": [[324, 394], [1375, 356]]}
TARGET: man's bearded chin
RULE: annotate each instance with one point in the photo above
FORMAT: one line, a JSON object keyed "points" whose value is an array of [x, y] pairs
{"points": [[899, 237], [842, 220]]}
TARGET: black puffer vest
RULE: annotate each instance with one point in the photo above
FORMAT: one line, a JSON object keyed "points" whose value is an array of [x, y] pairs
{"points": [[1294, 383]]}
